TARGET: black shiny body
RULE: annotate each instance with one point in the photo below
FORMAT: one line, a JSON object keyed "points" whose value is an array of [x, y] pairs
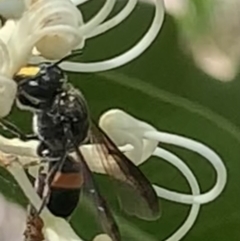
{"points": [[68, 109], [63, 200], [58, 108]]}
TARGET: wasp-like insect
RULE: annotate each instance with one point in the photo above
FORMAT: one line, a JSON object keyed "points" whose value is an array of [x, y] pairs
{"points": [[62, 123]]}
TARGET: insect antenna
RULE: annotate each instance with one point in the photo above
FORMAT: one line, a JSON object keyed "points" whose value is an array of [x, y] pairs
{"points": [[73, 54]]}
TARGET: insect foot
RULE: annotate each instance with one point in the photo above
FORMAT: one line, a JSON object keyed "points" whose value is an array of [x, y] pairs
{"points": [[34, 229]]}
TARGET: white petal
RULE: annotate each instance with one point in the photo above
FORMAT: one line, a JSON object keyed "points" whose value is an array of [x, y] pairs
{"points": [[78, 2], [12, 220], [12, 8], [215, 62], [102, 237]]}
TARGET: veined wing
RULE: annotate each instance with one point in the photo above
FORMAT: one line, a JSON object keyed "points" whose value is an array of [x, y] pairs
{"points": [[105, 216], [136, 194]]}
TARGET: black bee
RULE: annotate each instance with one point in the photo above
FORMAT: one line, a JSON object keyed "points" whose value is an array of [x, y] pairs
{"points": [[62, 123]]}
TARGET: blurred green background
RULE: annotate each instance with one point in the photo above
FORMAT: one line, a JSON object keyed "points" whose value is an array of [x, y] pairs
{"points": [[165, 88]]}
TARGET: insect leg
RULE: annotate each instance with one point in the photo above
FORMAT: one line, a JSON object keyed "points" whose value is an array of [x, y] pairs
{"points": [[13, 129], [48, 179]]}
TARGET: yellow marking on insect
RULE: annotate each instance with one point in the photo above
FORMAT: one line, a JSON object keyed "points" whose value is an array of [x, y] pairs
{"points": [[28, 71]]}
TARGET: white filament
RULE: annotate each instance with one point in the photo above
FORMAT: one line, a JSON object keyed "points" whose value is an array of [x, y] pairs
{"points": [[111, 23], [52, 29], [128, 56], [119, 125], [202, 150], [179, 164], [98, 18], [93, 28]]}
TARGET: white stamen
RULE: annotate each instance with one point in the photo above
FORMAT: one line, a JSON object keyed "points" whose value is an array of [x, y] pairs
{"points": [[128, 56], [111, 23], [52, 29]]}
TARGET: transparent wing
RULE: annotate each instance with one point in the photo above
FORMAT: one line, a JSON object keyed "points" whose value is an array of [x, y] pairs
{"points": [[91, 191], [135, 192]]}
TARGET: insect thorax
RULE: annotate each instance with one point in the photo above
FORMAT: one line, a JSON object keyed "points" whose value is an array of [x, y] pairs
{"points": [[68, 110]]}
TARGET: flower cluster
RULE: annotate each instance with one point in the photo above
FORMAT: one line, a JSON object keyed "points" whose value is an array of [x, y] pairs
{"points": [[52, 29]]}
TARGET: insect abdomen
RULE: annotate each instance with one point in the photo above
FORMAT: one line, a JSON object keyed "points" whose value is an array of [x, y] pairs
{"points": [[65, 189], [63, 202]]}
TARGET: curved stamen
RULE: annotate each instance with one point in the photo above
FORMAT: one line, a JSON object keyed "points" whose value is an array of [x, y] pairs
{"points": [[52, 14], [48, 14], [202, 150], [111, 23], [98, 18], [128, 56], [181, 166], [65, 29], [43, 9]]}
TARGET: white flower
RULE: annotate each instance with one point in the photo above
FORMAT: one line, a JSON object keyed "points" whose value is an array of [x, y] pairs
{"points": [[53, 29], [56, 27], [11, 228], [12, 8], [97, 26], [13, 224], [210, 33], [138, 140], [47, 25], [41, 26]]}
